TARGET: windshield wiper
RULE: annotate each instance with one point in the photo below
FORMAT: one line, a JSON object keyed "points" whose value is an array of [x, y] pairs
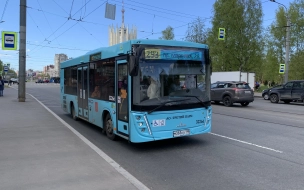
{"points": [[205, 104], [164, 103]]}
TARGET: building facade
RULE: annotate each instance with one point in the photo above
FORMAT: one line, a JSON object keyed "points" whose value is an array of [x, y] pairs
{"points": [[122, 33], [59, 58], [50, 71]]}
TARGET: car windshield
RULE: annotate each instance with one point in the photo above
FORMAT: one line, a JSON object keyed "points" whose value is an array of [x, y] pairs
{"points": [[163, 80]]}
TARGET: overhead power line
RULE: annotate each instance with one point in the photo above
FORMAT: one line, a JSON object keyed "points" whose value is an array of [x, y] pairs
{"points": [[1, 20], [165, 9], [61, 25]]}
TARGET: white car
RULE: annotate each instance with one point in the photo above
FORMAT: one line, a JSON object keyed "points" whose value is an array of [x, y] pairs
{"points": [[13, 80]]}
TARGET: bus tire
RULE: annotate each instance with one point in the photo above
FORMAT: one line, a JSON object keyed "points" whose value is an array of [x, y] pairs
{"points": [[73, 114], [108, 124]]}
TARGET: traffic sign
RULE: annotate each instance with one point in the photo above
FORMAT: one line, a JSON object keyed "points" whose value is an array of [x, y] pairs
{"points": [[282, 69], [221, 35], [5, 68], [9, 40]]}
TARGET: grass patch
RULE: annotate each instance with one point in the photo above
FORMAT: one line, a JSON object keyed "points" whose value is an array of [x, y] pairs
{"points": [[261, 88]]}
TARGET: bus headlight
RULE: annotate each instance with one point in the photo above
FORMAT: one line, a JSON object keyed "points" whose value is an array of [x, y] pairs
{"points": [[209, 113], [140, 124]]}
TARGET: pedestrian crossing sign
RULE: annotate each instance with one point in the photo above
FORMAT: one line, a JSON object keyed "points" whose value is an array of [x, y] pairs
{"points": [[282, 69], [221, 35]]}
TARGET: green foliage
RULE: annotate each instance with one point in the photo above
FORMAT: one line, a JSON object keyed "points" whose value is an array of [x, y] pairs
{"points": [[243, 45], [1, 65], [196, 32], [167, 34], [276, 44]]}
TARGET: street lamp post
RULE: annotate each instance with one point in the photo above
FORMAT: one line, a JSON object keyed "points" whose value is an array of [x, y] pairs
{"points": [[287, 47]]}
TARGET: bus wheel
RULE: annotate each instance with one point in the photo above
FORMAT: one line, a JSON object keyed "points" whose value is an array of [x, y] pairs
{"points": [[73, 113], [108, 124]]}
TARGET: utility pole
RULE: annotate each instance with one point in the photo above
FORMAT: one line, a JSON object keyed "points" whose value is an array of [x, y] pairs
{"points": [[287, 49], [287, 45], [22, 51]]}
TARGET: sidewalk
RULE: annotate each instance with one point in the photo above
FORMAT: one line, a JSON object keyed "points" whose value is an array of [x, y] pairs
{"points": [[258, 94], [37, 152]]}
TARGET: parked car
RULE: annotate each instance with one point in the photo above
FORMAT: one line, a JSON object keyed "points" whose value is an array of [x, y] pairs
{"points": [[39, 81], [265, 92], [13, 81], [230, 92], [55, 80], [291, 91]]}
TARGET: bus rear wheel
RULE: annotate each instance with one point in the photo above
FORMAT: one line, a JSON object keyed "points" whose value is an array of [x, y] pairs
{"points": [[108, 124]]}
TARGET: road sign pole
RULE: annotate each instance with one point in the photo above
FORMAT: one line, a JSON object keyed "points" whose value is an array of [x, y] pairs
{"points": [[22, 52]]}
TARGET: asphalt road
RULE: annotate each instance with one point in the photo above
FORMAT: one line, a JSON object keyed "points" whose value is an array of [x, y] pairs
{"points": [[256, 147]]}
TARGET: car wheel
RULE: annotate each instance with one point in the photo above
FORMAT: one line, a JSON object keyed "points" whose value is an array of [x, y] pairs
{"points": [[245, 103], [266, 97], [274, 98], [227, 101], [108, 124]]}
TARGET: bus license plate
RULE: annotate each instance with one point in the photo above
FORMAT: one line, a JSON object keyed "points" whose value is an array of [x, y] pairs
{"points": [[181, 133]]}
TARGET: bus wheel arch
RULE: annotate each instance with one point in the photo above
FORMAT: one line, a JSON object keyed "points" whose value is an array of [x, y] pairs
{"points": [[103, 119], [108, 126], [73, 112]]}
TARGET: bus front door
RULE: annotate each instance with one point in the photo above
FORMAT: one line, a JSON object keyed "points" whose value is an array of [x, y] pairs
{"points": [[82, 78], [122, 94]]}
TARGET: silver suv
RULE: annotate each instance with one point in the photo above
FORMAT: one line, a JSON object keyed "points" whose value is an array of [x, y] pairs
{"points": [[230, 92]]}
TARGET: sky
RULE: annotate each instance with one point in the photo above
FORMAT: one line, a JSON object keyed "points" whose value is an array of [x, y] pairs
{"points": [[74, 27]]}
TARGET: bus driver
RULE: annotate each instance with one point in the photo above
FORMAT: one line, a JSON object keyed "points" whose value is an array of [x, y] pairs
{"points": [[153, 89]]}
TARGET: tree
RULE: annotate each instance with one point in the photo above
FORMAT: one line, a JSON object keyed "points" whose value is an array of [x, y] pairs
{"points": [[167, 34], [242, 48], [276, 43], [1, 66], [196, 32]]}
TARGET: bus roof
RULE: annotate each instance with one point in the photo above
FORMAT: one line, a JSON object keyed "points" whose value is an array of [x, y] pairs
{"points": [[124, 48]]}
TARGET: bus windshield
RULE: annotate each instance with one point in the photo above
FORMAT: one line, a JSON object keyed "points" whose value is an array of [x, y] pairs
{"points": [[169, 74]]}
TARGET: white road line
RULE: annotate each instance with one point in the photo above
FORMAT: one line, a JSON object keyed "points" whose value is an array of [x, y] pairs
{"points": [[248, 143], [114, 164]]}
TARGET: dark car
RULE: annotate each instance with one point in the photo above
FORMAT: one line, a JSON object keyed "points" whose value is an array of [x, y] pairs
{"points": [[265, 92], [55, 80], [39, 81], [230, 92], [291, 91]]}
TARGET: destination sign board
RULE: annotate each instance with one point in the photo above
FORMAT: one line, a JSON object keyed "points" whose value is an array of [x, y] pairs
{"points": [[173, 54]]}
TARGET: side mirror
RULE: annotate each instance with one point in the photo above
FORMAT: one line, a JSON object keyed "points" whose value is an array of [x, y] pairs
{"points": [[133, 65], [208, 60]]}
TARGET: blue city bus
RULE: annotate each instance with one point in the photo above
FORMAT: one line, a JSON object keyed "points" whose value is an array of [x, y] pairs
{"points": [[141, 90]]}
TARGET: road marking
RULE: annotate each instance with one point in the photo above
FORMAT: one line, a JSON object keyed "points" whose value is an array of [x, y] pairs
{"points": [[248, 143], [107, 158]]}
